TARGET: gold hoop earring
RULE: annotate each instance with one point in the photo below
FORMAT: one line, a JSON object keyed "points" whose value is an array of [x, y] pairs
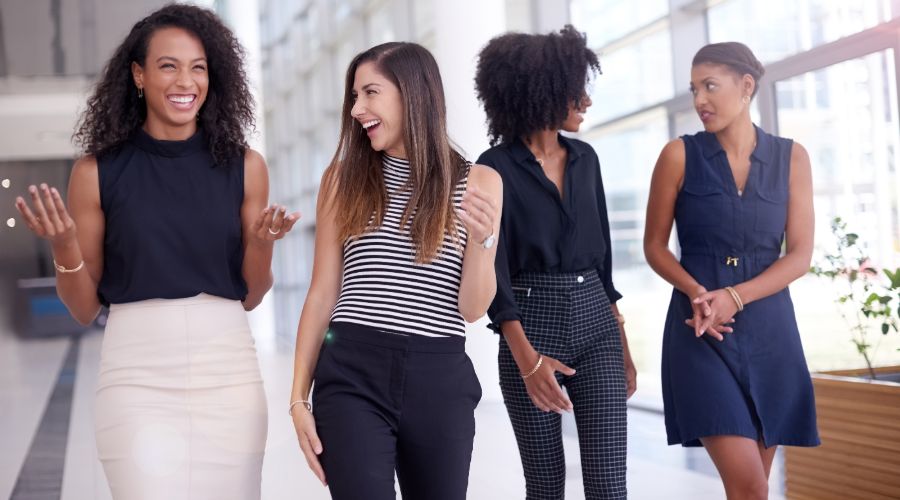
{"points": [[745, 99], [140, 93]]}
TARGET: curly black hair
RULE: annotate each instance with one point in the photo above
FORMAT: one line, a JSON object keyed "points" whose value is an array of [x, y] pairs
{"points": [[114, 112], [526, 82]]}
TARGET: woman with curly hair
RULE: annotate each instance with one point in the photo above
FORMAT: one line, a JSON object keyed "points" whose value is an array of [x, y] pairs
{"points": [[168, 224], [404, 257], [555, 304]]}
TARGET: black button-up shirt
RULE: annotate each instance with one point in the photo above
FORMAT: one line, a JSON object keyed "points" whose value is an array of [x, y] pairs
{"points": [[543, 232]]}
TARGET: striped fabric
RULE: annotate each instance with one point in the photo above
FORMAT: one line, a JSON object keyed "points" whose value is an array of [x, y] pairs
{"points": [[384, 288]]}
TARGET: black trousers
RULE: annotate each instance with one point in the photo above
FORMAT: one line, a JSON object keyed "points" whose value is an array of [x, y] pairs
{"points": [[386, 402], [568, 317]]}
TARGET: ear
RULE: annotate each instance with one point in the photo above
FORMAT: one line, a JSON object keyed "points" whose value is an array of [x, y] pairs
{"points": [[137, 73], [748, 84]]}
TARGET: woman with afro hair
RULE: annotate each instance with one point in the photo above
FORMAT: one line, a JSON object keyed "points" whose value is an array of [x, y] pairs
{"points": [[555, 304], [168, 223]]}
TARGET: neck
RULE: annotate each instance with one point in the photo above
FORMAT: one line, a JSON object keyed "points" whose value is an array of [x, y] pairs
{"points": [[163, 132], [543, 143], [397, 152], [739, 138]]}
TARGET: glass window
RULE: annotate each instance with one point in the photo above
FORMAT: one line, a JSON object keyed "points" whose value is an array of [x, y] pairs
{"points": [[608, 20], [775, 29], [634, 76], [848, 124]]}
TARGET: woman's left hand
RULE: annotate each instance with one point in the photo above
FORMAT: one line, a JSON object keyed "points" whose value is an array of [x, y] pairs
{"points": [[273, 223], [478, 211], [720, 309]]}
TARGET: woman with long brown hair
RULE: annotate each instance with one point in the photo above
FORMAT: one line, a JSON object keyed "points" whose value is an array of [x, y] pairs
{"points": [[404, 257]]}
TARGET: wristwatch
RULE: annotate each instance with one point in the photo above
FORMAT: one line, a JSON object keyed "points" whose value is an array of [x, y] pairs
{"points": [[489, 241]]}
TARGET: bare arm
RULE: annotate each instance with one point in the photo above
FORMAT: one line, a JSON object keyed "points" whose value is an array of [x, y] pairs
{"points": [[482, 206], [324, 289], [668, 177], [256, 220], [75, 235]]}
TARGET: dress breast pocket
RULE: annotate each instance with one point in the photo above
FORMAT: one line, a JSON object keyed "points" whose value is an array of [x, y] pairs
{"points": [[771, 211], [701, 205]]}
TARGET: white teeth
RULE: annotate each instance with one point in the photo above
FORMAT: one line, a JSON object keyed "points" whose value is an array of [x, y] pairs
{"points": [[370, 124], [182, 99]]}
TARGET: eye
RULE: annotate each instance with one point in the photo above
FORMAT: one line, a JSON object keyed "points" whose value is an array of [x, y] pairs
{"points": [[167, 66], [711, 86], [200, 67], [693, 90], [370, 92]]}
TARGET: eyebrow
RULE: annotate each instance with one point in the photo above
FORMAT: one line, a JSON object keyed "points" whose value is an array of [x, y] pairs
{"points": [[373, 84], [170, 58]]}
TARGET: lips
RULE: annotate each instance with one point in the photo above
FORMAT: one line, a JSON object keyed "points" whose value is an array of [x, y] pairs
{"points": [[371, 126], [182, 102], [705, 115]]}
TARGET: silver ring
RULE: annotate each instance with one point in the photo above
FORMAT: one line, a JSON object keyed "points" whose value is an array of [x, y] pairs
{"points": [[274, 233]]}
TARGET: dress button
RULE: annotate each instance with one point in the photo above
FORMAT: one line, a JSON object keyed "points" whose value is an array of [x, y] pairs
{"points": [[580, 279]]}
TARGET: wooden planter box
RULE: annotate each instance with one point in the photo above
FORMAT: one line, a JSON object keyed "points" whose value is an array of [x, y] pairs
{"points": [[859, 423]]}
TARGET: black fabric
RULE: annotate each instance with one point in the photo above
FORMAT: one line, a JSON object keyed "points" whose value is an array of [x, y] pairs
{"points": [[544, 232], [385, 402], [173, 221]]}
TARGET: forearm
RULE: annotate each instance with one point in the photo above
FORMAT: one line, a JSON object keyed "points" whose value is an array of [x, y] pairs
{"points": [[478, 284], [78, 290], [310, 334], [776, 277], [664, 263], [522, 350], [257, 271]]}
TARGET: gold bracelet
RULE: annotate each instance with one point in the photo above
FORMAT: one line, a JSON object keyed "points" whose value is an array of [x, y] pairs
{"points": [[63, 270], [736, 297], [306, 404], [534, 370]]}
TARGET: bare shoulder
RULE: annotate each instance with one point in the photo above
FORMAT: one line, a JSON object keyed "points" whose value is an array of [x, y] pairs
{"points": [[86, 166], [673, 153], [799, 155], [486, 179], [254, 161]]}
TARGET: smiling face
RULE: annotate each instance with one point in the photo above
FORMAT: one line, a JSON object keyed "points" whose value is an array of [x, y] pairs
{"points": [[175, 81], [720, 95], [378, 107], [576, 114]]}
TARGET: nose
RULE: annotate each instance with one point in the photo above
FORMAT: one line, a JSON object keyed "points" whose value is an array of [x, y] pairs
{"points": [[586, 102], [357, 110], [184, 78]]}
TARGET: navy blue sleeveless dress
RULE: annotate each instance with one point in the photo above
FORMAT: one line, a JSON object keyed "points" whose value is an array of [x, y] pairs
{"points": [[755, 383]]}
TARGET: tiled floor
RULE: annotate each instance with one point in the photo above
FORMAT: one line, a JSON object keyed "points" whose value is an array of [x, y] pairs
{"points": [[29, 372]]}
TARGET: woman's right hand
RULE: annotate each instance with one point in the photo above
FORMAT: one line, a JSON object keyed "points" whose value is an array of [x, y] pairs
{"points": [[305, 426], [49, 219], [542, 387], [702, 310]]}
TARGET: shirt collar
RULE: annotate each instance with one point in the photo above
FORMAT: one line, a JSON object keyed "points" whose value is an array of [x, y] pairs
{"points": [[762, 153], [522, 154]]}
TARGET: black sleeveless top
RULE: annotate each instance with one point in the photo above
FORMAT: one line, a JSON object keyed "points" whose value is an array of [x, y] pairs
{"points": [[173, 221]]}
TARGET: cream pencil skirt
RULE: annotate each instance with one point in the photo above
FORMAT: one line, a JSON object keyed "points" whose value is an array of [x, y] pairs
{"points": [[180, 411]]}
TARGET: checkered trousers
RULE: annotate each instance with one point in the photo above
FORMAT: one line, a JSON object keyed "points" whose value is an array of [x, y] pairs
{"points": [[567, 316]]}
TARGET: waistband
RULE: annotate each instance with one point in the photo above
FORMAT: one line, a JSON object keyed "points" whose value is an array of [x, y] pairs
{"points": [[341, 331], [734, 258], [530, 280], [202, 298]]}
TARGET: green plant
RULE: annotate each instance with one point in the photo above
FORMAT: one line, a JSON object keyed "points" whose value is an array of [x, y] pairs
{"points": [[862, 286]]}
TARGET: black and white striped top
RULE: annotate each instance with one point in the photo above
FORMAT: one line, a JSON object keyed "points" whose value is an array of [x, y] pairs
{"points": [[384, 288]]}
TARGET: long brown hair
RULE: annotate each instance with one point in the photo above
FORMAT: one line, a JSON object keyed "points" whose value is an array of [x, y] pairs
{"points": [[355, 176]]}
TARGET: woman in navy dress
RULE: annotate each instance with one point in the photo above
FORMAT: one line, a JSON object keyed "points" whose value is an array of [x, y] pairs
{"points": [[734, 376]]}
